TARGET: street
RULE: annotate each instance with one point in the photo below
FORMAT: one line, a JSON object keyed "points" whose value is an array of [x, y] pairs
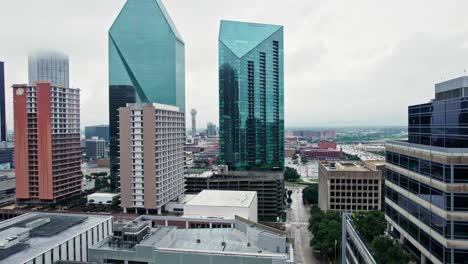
{"points": [[297, 227]]}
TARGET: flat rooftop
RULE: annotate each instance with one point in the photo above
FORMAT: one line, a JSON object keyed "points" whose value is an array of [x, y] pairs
{"points": [[223, 198], [215, 240], [344, 166], [57, 229]]}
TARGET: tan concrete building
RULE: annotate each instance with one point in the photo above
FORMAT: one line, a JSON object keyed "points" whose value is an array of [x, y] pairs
{"points": [[152, 159], [349, 186]]}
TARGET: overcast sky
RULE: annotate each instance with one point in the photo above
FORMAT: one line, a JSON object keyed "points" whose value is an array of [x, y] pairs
{"points": [[346, 62]]}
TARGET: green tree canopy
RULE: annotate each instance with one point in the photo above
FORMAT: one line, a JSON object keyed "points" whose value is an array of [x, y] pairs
{"points": [[369, 224], [291, 174], [388, 251], [310, 194], [326, 229]]}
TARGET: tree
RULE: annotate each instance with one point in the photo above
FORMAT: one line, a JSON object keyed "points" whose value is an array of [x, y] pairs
{"points": [[326, 230], [295, 157], [370, 224], [310, 194], [291, 174], [290, 193], [304, 160], [289, 200], [388, 251]]}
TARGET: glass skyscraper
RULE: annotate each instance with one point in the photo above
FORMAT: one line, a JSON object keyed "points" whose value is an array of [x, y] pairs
{"points": [[426, 190], [251, 98], [49, 66], [146, 63]]}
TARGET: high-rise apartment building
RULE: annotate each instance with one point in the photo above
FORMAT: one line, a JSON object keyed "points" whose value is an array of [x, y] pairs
{"points": [[146, 64], [49, 66], [152, 161], [3, 130], [47, 142], [427, 176], [251, 103]]}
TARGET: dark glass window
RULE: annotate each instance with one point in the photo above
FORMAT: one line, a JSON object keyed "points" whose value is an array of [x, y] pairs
{"points": [[460, 202], [460, 230], [460, 173]]}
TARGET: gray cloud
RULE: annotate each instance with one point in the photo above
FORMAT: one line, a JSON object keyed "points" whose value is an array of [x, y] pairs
{"points": [[347, 62]]}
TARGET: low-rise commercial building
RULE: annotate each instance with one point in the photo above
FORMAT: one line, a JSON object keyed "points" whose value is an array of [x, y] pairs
{"points": [[349, 186], [269, 186], [101, 198], [49, 237], [223, 204], [246, 242]]}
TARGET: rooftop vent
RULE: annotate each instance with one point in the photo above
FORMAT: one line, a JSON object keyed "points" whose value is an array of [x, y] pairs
{"points": [[38, 222], [198, 241]]}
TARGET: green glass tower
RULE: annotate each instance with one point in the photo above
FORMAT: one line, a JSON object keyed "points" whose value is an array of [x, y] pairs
{"points": [[251, 95], [146, 64]]}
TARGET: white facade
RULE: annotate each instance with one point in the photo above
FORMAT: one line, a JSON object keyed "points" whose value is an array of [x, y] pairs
{"points": [[70, 244], [223, 204], [101, 198]]}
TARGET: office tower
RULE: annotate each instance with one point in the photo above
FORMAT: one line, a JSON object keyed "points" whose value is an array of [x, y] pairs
{"points": [[3, 131], [193, 112], [211, 129], [47, 142], [95, 148], [146, 64], [426, 176], [100, 131], [49, 66], [251, 104], [350, 186], [152, 138]]}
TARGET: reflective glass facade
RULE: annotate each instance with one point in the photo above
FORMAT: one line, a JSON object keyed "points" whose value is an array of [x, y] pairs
{"points": [[251, 95], [441, 123], [425, 193], [146, 62]]}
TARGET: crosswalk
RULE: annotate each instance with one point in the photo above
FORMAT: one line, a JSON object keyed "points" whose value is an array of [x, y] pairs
{"points": [[299, 223]]}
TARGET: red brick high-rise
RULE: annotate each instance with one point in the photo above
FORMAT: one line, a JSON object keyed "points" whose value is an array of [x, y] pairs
{"points": [[47, 142]]}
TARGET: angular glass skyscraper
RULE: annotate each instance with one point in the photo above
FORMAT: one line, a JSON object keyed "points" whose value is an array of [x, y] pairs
{"points": [[146, 63], [251, 99]]}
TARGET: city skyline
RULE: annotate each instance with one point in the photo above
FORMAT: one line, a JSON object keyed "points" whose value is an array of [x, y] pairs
{"points": [[324, 41]]}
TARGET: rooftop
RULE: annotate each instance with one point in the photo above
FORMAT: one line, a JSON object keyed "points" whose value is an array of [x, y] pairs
{"points": [[46, 231], [343, 166], [223, 198], [244, 239]]}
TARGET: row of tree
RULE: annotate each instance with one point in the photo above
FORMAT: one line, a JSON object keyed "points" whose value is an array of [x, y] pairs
{"points": [[310, 194], [371, 225]]}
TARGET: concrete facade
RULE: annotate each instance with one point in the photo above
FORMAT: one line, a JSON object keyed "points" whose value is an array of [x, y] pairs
{"points": [[268, 185], [47, 142], [245, 243], [223, 204], [349, 186], [152, 160], [49, 237]]}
